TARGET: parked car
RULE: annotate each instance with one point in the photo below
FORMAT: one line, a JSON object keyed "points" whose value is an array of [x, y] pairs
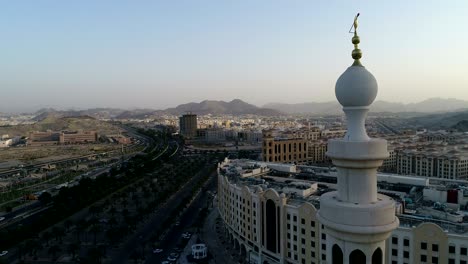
{"points": [[173, 256], [186, 235], [157, 250], [3, 253]]}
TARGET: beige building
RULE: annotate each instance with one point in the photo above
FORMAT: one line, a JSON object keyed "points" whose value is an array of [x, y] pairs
{"points": [[438, 163], [315, 140], [309, 134], [286, 150], [390, 164], [332, 133], [317, 152], [273, 220], [38, 136], [78, 137]]}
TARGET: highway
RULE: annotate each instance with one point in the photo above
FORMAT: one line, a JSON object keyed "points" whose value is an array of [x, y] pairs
{"points": [[144, 141], [122, 254], [187, 219]]}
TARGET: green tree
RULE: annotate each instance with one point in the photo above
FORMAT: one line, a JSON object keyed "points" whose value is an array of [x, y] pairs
{"points": [[72, 249], [54, 250], [46, 236], [95, 229], [95, 255], [45, 198], [68, 223]]}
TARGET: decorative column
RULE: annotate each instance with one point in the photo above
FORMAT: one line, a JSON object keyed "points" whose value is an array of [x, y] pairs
{"points": [[356, 218]]}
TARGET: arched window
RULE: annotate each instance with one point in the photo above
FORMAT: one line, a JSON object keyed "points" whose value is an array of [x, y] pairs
{"points": [[271, 225], [337, 255], [357, 257], [377, 256]]}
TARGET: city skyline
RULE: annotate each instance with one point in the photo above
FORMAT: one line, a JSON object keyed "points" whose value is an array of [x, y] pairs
{"points": [[159, 54]]}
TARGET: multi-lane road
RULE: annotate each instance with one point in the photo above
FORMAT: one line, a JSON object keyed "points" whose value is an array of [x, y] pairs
{"points": [[173, 237]]}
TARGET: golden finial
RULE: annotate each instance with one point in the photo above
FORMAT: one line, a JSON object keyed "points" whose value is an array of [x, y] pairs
{"points": [[357, 53]]}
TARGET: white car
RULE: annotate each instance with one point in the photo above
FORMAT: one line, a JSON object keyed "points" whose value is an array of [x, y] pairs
{"points": [[2, 218], [3, 253], [157, 250]]}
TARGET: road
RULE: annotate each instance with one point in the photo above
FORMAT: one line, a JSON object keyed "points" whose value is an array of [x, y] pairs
{"points": [[144, 140], [188, 218], [122, 255]]}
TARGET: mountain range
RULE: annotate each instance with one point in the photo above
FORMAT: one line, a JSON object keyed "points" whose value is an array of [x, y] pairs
{"points": [[234, 107], [432, 105], [239, 107]]}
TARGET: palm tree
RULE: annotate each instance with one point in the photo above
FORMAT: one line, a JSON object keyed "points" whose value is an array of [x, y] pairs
{"points": [[61, 233], [112, 222], [95, 255], [135, 256], [112, 211], [103, 250], [68, 223], [125, 213], [30, 245], [55, 232], [125, 203], [80, 227], [46, 236], [72, 248], [95, 229], [53, 250], [94, 210], [38, 247], [21, 250], [113, 236]]}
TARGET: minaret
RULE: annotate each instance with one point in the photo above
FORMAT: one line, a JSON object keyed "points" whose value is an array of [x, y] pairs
{"points": [[357, 220]]}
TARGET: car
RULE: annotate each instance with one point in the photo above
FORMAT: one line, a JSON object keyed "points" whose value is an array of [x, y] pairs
{"points": [[186, 235], [171, 258], [3, 253], [157, 250], [173, 254], [177, 223], [2, 218], [165, 262], [178, 249]]}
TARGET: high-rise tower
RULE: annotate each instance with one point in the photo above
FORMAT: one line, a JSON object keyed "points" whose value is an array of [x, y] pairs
{"points": [[188, 125], [357, 220]]}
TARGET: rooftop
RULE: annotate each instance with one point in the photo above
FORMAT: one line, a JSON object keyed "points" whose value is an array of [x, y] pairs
{"points": [[301, 184]]}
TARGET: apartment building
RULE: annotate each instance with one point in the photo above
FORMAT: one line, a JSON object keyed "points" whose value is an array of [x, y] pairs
{"points": [[284, 149], [271, 219]]}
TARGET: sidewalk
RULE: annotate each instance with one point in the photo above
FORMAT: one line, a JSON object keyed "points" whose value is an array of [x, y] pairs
{"points": [[216, 248], [187, 250]]}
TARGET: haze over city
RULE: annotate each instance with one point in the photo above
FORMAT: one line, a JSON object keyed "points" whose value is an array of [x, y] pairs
{"points": [[158, 54], [234, 132]]}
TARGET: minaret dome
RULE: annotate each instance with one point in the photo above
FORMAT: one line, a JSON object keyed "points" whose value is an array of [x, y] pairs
{"points": [[356, 87]]}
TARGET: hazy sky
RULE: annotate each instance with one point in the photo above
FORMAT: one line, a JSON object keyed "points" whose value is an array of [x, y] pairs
{"points": [[159, 54]]}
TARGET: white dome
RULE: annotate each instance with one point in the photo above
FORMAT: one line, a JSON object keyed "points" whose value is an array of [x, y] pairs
{"points": [[356, 87]]}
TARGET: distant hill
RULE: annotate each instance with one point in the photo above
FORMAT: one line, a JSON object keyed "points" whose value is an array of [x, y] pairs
{"points": [[52, 122], [239, 107], [432, 105], [141, 114], [451, 120], [98, 113], [234, 107], [461, 126]]}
